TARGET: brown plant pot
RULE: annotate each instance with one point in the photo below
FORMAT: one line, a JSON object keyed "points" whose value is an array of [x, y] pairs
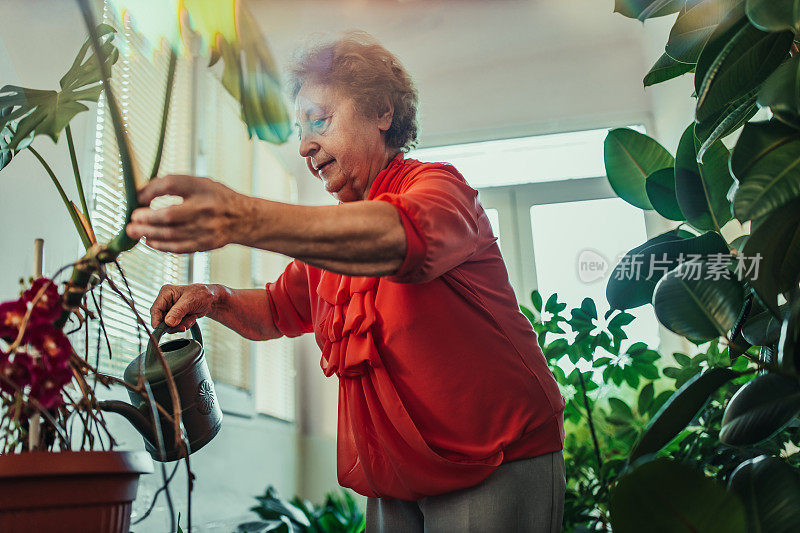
{"points": [[69, 491]]}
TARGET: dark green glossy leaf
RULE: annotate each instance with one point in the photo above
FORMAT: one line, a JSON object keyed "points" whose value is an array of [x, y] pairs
{"points": [[702, 188], [644, 9], [762, 328], [770, 490], [627, 289], [553, 306], [693, 27], [722, 124], [37, 112], [766, 162], [758, 410], [789, 342], [681, 408], [733, 21], [660, 187], [645, 400], [741, 66], [630, 157], [692, 304], [665, 69], [536, 300], [774, 15], [781, 91], [777, 244], [676, 498]]}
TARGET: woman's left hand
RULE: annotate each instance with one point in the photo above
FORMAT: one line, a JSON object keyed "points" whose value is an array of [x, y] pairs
{"points": [[208, 218]]}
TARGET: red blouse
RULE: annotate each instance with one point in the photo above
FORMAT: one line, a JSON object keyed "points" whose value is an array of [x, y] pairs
{"points": [[440, 376]]}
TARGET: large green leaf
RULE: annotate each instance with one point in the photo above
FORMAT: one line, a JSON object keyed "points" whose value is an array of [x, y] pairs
{"points": [[660, 187], [762, 328], [781, 91], [7, 133], [789, 338], [761, 408], [645, 9], [732, 117], [774, 15], [702, 188], [628, 285], [770, 490], [669, 497], [38, 112], [681, 408], [689, 302], [766, 162], [734, 20], [748, 58], [693, 27], [630, 157], [665, 69], [772, 254]]}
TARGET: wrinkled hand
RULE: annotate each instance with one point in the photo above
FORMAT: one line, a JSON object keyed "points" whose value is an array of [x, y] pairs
{"points": [[208, 218], [181, 305]]}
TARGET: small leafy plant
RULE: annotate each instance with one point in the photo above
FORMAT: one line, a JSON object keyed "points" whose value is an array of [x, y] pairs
{"points": [[339, 514]]}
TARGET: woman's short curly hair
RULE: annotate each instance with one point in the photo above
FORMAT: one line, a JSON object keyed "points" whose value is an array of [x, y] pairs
{"points": [[361, 68]]}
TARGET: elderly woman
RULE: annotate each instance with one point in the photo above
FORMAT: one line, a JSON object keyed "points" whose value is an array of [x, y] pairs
{"points": [[449, 418]]}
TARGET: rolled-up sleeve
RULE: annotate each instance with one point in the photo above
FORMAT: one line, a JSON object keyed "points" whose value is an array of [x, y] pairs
{"points": [[440, 215], [289, 301]]}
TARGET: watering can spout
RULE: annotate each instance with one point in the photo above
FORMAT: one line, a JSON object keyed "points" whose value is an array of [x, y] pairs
{"points": [[132, 415]]}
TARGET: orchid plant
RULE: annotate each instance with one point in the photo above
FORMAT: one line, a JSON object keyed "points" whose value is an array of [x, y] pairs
{"points": [[44, 382]]}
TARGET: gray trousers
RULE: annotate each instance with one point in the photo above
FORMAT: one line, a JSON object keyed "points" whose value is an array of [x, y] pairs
{"points": [[526, 495]]}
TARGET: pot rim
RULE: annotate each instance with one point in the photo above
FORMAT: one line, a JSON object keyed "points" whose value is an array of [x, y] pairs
{"points": [[41, 464]]}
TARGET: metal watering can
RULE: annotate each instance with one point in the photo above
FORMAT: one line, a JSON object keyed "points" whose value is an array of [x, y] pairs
{"points": [[200, 411]]}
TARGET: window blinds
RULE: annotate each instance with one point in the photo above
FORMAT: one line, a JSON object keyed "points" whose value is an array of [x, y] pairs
{"points": [[138, 82]]}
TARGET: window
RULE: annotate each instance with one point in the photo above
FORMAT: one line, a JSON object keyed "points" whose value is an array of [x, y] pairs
{"points": [[205, 136], [138, 82], [549, 199]]}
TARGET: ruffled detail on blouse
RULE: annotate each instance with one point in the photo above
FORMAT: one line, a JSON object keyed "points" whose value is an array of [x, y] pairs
{"points": [[346, 332]]}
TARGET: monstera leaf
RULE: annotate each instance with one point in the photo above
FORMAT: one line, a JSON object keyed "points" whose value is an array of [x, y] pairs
{"points": [[7, 134], [229, 32], [38, 112]]}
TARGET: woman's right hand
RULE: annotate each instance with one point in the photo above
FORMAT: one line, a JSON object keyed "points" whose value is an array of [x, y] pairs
{"points": [[181, 305]]}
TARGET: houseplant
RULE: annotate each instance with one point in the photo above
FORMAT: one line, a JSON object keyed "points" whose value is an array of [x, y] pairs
{"points": [[39, 409], [612, 393], [743, 57]]}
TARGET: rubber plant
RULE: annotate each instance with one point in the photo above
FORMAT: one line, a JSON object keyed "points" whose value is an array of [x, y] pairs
{"points": [[743, 58], [37, 360]]}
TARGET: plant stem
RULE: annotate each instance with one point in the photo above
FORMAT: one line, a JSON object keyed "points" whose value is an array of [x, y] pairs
{"points": [[591, 426], [122, 241], [173, 60], [75, 220], [78, 182]]}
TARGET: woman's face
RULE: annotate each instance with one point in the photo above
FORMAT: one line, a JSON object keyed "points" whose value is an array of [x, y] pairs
{"points": [[342, 148]]}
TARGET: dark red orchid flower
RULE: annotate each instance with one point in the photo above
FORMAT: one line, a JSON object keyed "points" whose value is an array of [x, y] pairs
{"points": [[17, 371], [52, 345], [48, 307], [47, 385], [11, 316]]}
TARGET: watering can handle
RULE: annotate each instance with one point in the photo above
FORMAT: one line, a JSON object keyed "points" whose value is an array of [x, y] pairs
{"points": [[158, 332]]}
